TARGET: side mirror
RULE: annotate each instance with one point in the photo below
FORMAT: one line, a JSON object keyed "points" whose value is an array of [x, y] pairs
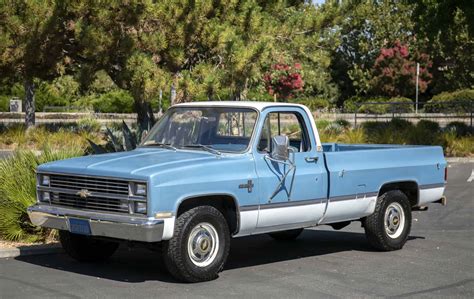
{"points": [[280, 145], [144, 133]]}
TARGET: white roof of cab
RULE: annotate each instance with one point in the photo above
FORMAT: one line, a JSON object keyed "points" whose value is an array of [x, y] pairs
{"points": [[257, 105]]}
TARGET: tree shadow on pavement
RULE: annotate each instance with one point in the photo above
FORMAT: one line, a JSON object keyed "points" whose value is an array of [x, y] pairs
{"points": [[139, 264]]}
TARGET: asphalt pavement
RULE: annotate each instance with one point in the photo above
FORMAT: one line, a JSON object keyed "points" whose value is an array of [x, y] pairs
{"points": [[437, 261]]}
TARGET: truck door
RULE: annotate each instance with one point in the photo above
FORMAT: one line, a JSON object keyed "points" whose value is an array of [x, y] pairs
{"points": [[298, 199]]}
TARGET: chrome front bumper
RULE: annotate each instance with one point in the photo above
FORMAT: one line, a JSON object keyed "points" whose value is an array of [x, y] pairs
{"points": [[124, 227]]}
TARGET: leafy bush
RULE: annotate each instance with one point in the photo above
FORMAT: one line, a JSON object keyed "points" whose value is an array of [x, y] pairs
{"points": [[425, 132], [400, 108], [460, 129], [460, 101], [379, 108], [354, 104], [392, 132], [18, 191], [115, 101], [357, 104], [4, 103], [315, 103]]}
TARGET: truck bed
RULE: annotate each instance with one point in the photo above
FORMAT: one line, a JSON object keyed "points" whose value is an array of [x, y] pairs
{"points": [[359, 171]]}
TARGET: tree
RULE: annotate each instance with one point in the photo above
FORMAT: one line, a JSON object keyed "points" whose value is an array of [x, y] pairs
{"points": [[284, 81], [394, 72], [364, 27], [446, 28], [33, 44]]}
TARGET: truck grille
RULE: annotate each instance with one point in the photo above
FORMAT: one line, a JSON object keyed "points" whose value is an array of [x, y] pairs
{"points": [[89, 203], [102, 185], [91, 193]]}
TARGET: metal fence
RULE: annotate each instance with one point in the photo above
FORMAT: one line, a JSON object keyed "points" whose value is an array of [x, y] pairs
{"points": [[442, 112]]}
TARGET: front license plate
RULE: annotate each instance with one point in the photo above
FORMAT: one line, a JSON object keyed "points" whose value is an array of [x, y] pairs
{"points": [[79, 226]]}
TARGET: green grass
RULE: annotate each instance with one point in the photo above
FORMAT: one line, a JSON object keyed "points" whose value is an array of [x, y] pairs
{"points": [[18, 191]]}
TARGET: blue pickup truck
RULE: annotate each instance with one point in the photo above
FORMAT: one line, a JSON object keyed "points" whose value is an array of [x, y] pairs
{"points": [[209, 171]]}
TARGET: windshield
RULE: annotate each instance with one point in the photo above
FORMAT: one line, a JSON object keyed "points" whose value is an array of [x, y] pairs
{"points": [[204, 128]]}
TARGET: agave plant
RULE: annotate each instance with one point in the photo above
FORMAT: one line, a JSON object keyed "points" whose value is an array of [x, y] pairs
{"points": [[125, 139]]}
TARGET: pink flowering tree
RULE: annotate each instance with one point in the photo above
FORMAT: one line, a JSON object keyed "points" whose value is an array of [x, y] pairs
{"points": [[284, 81], [394, 71]]}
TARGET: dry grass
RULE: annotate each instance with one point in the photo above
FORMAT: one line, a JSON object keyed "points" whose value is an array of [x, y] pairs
{"points": [[38, 138]]}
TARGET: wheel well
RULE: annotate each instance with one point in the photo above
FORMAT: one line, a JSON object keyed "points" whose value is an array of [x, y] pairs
{"points": [[410, 189], [226, 204]]}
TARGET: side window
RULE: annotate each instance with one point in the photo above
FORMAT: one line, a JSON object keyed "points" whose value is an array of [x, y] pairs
{"points": [[289, 124]]}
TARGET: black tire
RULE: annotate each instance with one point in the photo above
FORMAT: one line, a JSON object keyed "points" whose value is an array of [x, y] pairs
{"points": [[286, 235], [85, 248], [386, 239], [178, 259]]}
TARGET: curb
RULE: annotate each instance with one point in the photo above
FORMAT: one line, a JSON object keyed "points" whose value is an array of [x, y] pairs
{"points": [[30, 250], [460, 160]]}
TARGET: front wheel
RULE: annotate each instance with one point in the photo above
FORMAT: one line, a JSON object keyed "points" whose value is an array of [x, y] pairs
{"points": [[388, 227], [200, 245], [85, 248]]}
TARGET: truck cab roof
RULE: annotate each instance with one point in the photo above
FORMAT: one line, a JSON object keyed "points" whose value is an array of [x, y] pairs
{"points": [[243, 104]]}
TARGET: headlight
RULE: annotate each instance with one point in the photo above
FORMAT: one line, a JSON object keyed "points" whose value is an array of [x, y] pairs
{"points": [[45, 196], [44, 180], [140, 207], [140, 189]]}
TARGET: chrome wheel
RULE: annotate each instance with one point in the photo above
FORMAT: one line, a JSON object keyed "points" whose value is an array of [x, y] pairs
{"points": [[394, 220], [203, 244]]}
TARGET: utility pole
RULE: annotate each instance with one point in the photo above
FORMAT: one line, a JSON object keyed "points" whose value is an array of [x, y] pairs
{"points": [[417, 75], [160, 101]]}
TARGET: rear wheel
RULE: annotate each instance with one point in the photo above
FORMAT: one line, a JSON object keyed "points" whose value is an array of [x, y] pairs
{"points": [[286, 235], [85, 248], [200, 245], [389, 226]]}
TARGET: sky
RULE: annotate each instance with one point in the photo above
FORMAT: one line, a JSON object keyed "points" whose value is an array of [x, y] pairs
{"points": [[318, 1]]}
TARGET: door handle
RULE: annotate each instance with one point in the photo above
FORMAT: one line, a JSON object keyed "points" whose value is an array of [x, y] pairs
{"points": [[311, 159]]}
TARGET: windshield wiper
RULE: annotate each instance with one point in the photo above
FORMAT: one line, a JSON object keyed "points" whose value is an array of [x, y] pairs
{"points": [[164, 145], [204, 147]]}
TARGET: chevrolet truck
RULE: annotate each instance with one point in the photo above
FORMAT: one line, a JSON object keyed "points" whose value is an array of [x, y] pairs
{"points": [[211, 171]]}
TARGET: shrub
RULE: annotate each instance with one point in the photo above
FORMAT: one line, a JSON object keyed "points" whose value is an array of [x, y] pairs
{"points": [[115, 101], [356, 136], [322, 124], [4, 103], [379, 108], [354, 104], [88, 125], [392, 132], [426, 132], [343, 123], [460, 129], [315, 103], [406, 107], [15, 136], [460, 101], [455, 146], [18, 191]]}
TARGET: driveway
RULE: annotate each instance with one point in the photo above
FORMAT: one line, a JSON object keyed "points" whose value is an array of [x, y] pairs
{"points": [[437, 261]]}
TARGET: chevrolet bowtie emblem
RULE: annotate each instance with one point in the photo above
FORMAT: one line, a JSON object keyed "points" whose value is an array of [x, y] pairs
{"points": [[84, 193]]}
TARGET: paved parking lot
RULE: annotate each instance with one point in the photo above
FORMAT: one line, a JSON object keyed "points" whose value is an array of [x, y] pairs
{"points": [[437, 261]]}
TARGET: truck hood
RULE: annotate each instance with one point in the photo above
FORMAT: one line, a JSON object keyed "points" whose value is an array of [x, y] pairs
{"points": [[139, 164]]}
